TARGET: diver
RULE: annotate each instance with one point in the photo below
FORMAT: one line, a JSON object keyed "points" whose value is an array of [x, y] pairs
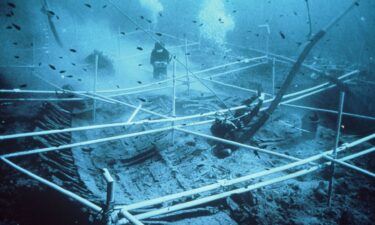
{"points": [[160, 59]]}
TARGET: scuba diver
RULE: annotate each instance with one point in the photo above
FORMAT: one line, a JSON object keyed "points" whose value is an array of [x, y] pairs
{"points": [[160, 59]]}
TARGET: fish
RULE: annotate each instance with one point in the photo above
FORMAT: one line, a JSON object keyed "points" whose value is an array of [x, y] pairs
{"points": [[140, 64], [149, 21], [299, 43], [15, 43], [57, 17], [9, 27], [118, 86], [23, 85], [79, 79], [87, 5], [73, 64], [122, 32], [84, 69], [104, 6], [61, 57], [141, 99], [142, 17], [140, 48], [188, 53], [16, 56], [159, 34], [139, 82], [62, 71], [12, 5], [16, 26], [201, 24], [69, 76], [52, 13], [194, 21], [295, 13], [234, 11], [73, 50], [282, 35], [52, 66], [39, 64], [160, 14]]}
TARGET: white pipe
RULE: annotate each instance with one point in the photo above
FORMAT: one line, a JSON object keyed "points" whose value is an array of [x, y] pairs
{"points": [[224, 183], [135, 112], [90, 142], [329, 111], [54, 186], [356, 168], [238, 144]]}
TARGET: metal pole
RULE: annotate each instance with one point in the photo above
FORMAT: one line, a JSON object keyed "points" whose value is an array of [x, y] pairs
{"points": [[94, 89], [273, 77], [110, 188], [334, 153], [174, 96], [186, 63], [110, 195]]}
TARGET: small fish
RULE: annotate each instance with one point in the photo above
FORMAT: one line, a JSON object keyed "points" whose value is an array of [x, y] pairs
{"points": [[234, 11], [61, 57], [79, 79], [52, 13], [73, 64], [159, 34], [16, 26], [282, 35], [8, 27], [15, 43], [149, 21], [73, 50], [122, 32], [118, 86], [160, 14], [12, 5], [23, 85], [194, 21], [357, 4], [142, 99], [139, 82], [62, 71], [57, 17], [142, 17], [140, 64], [104, 6], [69, 76], [84, 69], [87, 5], [188, 53], [299, 43], [295, 13], [16, 56], [52, 66], [140, 48], [39, 64]]}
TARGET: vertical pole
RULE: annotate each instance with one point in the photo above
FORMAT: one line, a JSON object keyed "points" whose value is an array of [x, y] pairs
{"points": [[119, 48], [94, 88], [110, 194], [273, 76], [334, 155], [186, 64], [174, 96]]}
